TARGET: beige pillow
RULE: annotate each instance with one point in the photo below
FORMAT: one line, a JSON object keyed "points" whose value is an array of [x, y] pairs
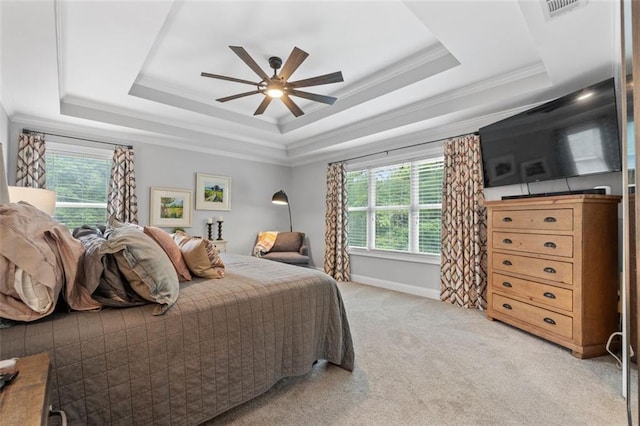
{"points": [[170, 247], [200, 256]]}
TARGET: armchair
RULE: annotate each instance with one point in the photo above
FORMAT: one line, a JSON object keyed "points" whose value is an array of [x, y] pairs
{"points": [[289, 247]]}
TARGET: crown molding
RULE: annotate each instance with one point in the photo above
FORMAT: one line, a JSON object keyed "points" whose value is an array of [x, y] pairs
{"points": [[167, 94], [128, 138], [522, 80]]}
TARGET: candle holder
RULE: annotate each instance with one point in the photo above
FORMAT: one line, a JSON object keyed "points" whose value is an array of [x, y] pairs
{"points": [[209, 230], [220, 229]]}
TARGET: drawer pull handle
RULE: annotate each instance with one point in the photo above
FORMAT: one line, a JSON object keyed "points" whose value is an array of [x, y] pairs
{"points": [[507, 284], [549, 270], [550, 219], [507, 241], [507, 262], [549, 295], [549, 244], [506, 306], [507, 219], [549, 321]]}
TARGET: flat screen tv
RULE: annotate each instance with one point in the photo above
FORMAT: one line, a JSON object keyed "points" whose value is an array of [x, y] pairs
{"points": [[574, 135]]}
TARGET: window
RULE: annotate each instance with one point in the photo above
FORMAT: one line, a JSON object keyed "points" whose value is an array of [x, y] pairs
{"points": [[80, 177], [396, 207]]}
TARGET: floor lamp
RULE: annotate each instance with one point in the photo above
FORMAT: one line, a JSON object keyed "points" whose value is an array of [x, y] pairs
{"points": [[281, 198]]}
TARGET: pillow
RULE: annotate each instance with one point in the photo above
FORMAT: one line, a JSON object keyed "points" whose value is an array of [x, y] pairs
{"points": [[288, 241], [170, 247], [200, 255], [35, 295], [145, 265]]}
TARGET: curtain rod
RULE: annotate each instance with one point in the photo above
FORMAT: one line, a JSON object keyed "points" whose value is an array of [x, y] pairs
{"points": [[386, 151], [73, 137]]}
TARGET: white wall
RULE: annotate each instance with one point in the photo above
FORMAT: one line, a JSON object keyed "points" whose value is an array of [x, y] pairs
{"points": [[252, 185]]}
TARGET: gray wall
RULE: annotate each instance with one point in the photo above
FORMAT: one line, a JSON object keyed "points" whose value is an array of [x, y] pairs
{"points": [[252, 185], [4, 135], [308, 190], [252, 211]]}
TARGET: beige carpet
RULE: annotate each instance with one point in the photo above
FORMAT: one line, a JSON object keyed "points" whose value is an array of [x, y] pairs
{"points": [[425, 362]]}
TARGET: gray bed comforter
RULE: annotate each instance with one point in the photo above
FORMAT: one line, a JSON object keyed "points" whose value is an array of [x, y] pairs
{"points": [[224, 342]]}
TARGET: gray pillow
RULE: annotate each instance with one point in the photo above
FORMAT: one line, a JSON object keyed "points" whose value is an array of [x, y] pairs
{"points": [[288, 241], [144, 264]]}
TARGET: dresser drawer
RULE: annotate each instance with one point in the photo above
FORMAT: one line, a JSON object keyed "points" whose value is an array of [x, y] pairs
{"points": [[558, 245], [546, 220], [559, 324], [552, 270], [548, 295]]}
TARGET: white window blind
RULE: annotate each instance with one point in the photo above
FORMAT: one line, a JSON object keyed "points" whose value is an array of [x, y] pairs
{"points": [[80, 178], [396, 207]]}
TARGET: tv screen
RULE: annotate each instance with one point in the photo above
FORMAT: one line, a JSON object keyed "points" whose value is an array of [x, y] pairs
{"points": [[574, 135]]}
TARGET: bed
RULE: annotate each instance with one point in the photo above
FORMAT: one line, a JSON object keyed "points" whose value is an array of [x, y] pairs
{"points": [[222, 343]]}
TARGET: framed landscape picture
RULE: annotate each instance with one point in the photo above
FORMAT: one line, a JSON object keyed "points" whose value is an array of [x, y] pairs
{"points": [[170, 207], [213, 192]]}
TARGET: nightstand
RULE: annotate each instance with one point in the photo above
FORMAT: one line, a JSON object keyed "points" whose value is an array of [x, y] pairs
{"points": [[26, 400], [221, 245]]}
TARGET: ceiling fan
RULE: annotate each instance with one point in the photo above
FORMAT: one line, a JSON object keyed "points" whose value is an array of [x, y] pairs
{"points": [[278, 86]]}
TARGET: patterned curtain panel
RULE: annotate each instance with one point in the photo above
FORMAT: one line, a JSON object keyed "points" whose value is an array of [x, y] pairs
{"points": [[31, 169], [336, 257], [463, 276], [122, 200]]}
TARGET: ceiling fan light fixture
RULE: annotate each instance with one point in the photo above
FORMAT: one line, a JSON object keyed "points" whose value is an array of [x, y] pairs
{"points": [[275, 91]]}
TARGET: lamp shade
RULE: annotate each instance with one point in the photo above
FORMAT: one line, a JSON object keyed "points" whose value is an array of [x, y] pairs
{"points": [[280, 197], [43, 199]]}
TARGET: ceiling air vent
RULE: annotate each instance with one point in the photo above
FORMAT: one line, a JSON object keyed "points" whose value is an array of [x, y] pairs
{"points": [[553, 8]]}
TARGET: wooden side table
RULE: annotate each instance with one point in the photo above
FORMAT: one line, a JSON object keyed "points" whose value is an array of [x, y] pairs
{"points": [[26, 400]]}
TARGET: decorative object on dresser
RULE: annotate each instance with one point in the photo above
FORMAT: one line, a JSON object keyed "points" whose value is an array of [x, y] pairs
{"points": [[213, 192], [552, 268]]}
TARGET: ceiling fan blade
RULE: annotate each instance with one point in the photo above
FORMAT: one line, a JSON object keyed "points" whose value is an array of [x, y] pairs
{"points": [[330, 100], [249, 61], [239, 95], [295, 109], [294, 60], [334, 77], [224, 77], [263, 105]]}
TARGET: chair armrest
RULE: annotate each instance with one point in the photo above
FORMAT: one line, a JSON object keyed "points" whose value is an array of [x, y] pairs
{"points": [[304, 250]]}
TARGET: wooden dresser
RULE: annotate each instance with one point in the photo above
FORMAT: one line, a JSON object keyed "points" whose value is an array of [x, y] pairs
{"points": [[553, 268]]}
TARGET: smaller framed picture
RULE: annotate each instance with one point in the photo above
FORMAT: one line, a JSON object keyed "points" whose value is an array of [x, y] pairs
{"points": [[170, 207], [213, 192]]}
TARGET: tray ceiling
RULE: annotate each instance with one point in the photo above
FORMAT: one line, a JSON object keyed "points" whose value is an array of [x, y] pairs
{"points": [[413, 71]]}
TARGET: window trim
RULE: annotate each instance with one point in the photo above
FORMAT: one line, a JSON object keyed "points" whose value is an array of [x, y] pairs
{"points": [[433, 154]]}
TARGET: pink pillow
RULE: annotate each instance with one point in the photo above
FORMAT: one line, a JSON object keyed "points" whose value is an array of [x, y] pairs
{"points": [[170, 247]]}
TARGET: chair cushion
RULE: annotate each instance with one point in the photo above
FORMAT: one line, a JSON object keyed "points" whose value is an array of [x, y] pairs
{"points": [[288, 241], [287, 257]]}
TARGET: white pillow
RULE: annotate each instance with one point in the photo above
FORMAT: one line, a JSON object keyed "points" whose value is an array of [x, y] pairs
{"points": [[33, 294]]}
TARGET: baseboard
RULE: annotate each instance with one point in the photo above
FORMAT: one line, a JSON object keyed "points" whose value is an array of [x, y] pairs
{"points": [[402, 288]]}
